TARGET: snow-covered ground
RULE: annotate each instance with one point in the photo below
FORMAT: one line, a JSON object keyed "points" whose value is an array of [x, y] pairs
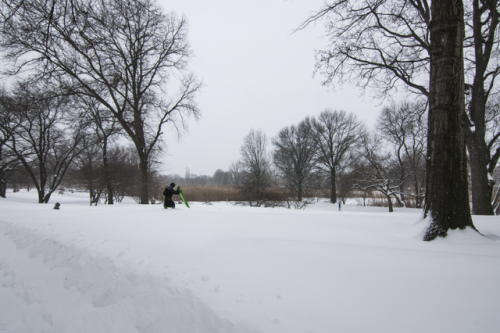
{"points": [[222, 268]]}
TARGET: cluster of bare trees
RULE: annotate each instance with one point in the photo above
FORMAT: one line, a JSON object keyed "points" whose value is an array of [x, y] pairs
{"points": [[335, 151], [39, 135], [50, 141], [87, 72], [441, 50]]}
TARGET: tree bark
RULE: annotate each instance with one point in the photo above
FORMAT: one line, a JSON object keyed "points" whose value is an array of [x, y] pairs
{"points": [[479, 153], [143, 167], [480, 187], [3, 184], [447, 193], [333, 195], [107, 176], [389, 203]]}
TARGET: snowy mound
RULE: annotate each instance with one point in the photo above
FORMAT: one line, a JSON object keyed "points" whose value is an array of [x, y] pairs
{"points": [[224, 268], [76, 290]]}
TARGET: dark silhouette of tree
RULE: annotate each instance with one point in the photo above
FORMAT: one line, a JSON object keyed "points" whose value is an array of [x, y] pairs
{"points": [[88, 170], [46, 141], [379, 171], [253, 170], [104, 128], [8, 125], [378, 44], [335, 135], [404, 127], [482, 50], [447, 190], [293, 157], [125, 54]]}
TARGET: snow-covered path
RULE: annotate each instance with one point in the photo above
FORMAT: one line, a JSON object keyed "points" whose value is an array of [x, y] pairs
{"points": [[221, 268]]}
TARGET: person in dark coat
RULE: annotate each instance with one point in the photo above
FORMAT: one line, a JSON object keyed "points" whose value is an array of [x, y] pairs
{"points": [[168, 193]]}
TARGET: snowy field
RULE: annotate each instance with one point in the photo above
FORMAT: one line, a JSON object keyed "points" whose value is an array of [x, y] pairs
{"points": [[228, 269]]}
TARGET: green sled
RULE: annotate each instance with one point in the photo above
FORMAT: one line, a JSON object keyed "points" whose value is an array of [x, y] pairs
{"points": [[183, 197]]}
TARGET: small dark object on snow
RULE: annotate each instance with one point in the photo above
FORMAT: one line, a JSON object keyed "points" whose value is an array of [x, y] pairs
{"points": [[57, 205]]}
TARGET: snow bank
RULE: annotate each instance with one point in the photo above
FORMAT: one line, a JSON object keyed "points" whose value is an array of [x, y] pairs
{"points": [[223, 268], [64, 288]]}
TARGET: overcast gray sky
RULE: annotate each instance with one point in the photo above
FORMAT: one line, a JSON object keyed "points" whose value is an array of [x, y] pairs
{"points": [[257, 75]]}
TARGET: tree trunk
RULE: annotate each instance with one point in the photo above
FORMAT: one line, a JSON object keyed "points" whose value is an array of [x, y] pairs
{"points": [[389, 202], [3, 184], [107, 176], [41, 185], [418, 203], [480, 187], [447, 193], [143, 166], [402, 201], [91, 193], [299, 194], [479, 154], [333, 195], [41, 195]]}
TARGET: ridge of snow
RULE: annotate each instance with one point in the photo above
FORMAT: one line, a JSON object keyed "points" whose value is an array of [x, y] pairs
{"points": [[223, 268], [93, 286]]}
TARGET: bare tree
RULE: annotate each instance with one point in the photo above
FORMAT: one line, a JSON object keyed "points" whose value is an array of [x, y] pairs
{"points": [[482, 69], [124, 171], [447, 190], [346, 183], [379, 171], [126, 54], [404, 126], [88, 169], [493, 132], [335, 135], [44, 142], [294, 157], [254, 168], [378, 44], [104, 127], [385, 45], [8, 125]]}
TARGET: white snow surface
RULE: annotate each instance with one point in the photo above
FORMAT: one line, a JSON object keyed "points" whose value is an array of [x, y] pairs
{"points": [[223, 268]]}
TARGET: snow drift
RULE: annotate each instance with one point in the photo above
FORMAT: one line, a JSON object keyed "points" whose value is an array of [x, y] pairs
{"points": [[221, 268]]}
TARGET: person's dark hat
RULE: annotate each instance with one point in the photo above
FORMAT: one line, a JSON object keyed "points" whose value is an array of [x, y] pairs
{"points": [[172, 184]]}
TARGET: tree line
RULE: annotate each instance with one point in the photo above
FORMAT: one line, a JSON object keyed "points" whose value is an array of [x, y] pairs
{"points": [[336, 151], [86, 73]]}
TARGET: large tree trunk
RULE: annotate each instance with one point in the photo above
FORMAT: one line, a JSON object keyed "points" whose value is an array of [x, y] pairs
{"points": [[41, 184], [447, 193], [479, 154], [480, 187], [41, 195]]}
